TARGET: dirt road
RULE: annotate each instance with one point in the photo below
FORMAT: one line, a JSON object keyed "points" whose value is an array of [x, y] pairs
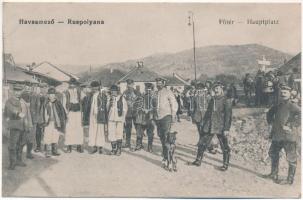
{"points": [[139, 174]]}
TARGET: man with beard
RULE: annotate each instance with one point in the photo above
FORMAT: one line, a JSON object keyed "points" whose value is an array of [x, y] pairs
{"points": [[165, 109], [284, 119], [217, 121], [130, 95]]}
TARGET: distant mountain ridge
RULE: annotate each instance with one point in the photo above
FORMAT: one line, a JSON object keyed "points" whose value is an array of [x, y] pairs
{"points": [[211, 60]]}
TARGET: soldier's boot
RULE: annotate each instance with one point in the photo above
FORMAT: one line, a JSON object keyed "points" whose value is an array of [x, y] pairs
{"points": [[139, 145], [114, 148], [291, 174], [48, 151], [20, 162], [150, 145], [94, 150], [12, 159], [199, 157], [274, 170], [127, 140], [226, 156], [100, 150], [29, 147], [69, 148], [55, 150], [119, 147]]}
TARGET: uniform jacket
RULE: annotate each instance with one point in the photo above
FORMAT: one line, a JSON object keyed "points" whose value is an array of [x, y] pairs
{"points": [[37, 107], [200, 104], [130, 96], [56, 112], [285, 113], [143, 103], [164, 104], [86, 103], [11, 112], [218, 116]]}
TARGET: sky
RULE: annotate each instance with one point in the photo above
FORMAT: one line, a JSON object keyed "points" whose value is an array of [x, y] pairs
{"points": [[136, 30]]}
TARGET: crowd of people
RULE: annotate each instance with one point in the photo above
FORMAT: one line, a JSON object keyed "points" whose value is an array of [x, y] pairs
{"points": [[90, 114]]}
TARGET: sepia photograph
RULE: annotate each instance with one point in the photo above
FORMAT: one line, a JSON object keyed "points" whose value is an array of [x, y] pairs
{"points": [[151, 100]]}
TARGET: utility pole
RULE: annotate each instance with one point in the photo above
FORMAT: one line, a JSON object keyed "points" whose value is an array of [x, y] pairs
{"points": [[191, 22]]}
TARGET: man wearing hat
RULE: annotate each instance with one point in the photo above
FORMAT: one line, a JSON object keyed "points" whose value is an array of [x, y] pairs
{"points": [[15, 115], [117, 110], [86, 103], [165, 108], [37, 106], [143, 109], [130, 94], [217, 121], [71, 99], [284, 120], [55, 117], [97, 118]]}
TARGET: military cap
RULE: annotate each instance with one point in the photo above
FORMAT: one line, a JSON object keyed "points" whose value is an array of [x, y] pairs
{"points": [[95, 84], [51, 90], [284, 87], [18, 87], [129, 81], [73, 81], [200, 85], [114, 88], [43, 85], [148, 85], [217, 84]]}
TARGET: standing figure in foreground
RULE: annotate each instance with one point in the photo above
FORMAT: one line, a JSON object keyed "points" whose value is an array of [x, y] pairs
{"points": [[285, 120], [86, 103], [130, 95], [97, 119], [73, 135], [15, 118], [55, 123], [166, 108], [117, 108], [217, 121]]}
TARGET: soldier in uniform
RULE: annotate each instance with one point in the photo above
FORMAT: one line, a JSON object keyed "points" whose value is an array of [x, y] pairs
{"points": [[15, 117], [144, 118], [165, 108], [284, 119], [217, 121], [259, 98], [130, 95], [37, 107]]}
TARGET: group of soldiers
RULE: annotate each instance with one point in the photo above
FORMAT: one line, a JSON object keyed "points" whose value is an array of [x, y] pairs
{"points": [[265, 87], [88, 113]]}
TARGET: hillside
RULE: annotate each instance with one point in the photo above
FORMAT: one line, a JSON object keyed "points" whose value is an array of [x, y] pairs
{"points": [[211, 60]]}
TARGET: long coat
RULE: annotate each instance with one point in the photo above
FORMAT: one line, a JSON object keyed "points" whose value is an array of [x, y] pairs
{"points": [[285, 113], [200, 104], [86, 103], [38, 104], [218, 115]]}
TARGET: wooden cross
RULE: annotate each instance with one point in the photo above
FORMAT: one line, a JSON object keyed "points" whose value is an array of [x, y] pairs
{"points": [[263, 63]]}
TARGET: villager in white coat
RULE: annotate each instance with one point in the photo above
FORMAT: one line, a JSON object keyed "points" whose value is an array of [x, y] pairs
{"points": [[98, 118], [71, 101], [117, 108]]}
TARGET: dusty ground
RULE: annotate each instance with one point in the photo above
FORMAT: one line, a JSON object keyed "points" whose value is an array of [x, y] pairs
{"points": [[139, 174]]}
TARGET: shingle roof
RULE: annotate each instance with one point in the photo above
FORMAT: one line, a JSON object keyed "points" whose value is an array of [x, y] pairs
{"points": [[140, 74], [295, 62]]}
